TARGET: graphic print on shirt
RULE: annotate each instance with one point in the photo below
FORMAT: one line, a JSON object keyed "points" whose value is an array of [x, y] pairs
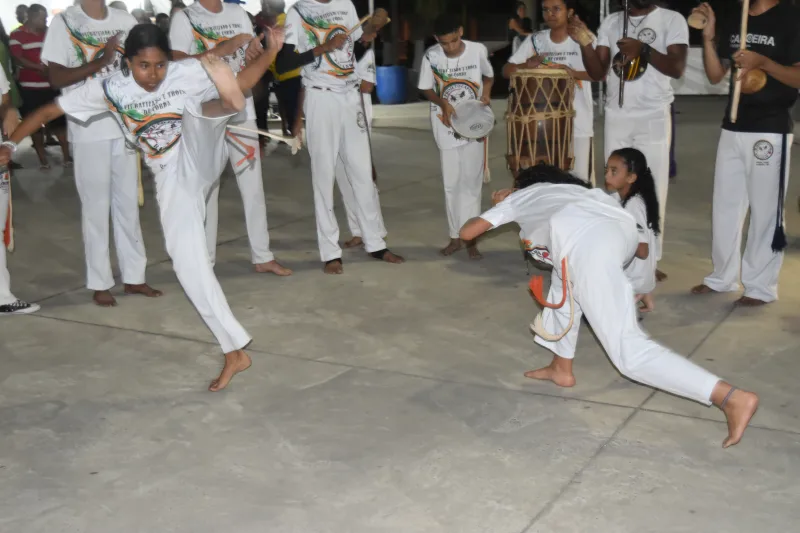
{"points": [[208, 37], [322, 29], [452, 88], [538, 253], [155, 132], [90, 45]]}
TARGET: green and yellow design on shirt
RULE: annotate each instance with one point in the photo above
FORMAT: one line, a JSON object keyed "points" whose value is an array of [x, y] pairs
{"points": [[87, 47], [319, 31], [454, 90]]}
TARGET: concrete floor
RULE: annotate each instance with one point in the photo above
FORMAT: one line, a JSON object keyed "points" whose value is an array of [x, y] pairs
{"points": [[389, 399]]}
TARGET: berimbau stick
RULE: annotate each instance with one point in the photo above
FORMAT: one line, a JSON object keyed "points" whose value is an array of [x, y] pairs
{"points": [[737, 87]]}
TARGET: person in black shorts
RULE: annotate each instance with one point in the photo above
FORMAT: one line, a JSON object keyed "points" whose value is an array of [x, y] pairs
{"points": [[753, 156]]}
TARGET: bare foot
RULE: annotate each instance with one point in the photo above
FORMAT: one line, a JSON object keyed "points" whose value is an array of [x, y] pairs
{"points": [[235, 362], [273, 267], [143, 289], [660, 276], [746, 301], [738, 411], [559, 371], [104, 299], [224, 80], [648, 303], [702, 289], [473, 252], [454, 246], [334, 267], [389, 257], [355, 242]]}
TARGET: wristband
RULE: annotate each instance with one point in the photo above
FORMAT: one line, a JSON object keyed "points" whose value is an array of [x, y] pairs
{"points": [[11, 145]]}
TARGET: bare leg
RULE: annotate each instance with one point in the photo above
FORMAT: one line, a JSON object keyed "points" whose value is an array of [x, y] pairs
{"points": [[660, 276], [38, 145], [739, 409], [647, 301], [559, 371], [231, 98], [235, 362], [472, 250], [61, 135]]}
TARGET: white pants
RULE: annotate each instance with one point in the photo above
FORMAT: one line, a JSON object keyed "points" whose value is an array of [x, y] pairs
{"points": [[603, 293], [462, 173], [182, 190], [651, 133], [251, 186], [106, 177], [746, 175], [5, 278], [584, 159], [336, 127]]}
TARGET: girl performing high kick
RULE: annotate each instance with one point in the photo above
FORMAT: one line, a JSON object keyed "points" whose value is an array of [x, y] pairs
{"points": [[177, 112], [585, 232]]}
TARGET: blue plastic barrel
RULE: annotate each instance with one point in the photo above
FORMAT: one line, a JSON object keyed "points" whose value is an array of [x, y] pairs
{"points": [[392, 83]]}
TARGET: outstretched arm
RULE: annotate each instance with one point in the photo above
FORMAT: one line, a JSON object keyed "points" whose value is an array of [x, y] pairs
{"points": [[255, 69], [30, 125]]}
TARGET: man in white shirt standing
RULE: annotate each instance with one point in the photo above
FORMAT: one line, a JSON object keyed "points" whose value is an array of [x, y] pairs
{"points": [[85, 41], [336, 125], [453, 71], [195, 31], [557, 48], [658, 39]]}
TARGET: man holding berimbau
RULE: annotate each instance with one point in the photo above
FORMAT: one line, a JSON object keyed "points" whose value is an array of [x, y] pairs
{"points": [[754, 149]]}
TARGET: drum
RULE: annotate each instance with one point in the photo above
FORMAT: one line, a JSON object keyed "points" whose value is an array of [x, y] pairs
{"points": [[540, 119]]}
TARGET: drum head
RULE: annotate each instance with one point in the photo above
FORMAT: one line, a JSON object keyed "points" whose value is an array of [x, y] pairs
{"points": [[473, 120]]}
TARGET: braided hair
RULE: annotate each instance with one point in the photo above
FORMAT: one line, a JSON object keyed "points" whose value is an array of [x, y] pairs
{"points": [[644, 186], [542, 173]]}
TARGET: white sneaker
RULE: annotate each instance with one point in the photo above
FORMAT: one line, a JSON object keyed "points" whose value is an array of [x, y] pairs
{"points": [[18, 308]]}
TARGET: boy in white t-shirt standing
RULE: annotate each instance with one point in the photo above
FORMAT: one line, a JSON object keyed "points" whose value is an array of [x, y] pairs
{"points": [[557, 48], [9, 304], [452, 71], [659, 38], [365, 70], [336, 126], [85, 41], [195, 31]]}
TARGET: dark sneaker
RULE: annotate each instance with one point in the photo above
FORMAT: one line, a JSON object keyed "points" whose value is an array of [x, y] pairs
{"points": [[18, 308]]}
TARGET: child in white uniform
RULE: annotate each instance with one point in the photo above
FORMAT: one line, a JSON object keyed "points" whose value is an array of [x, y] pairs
{"points": [[195, 31], [85, 42], [629, 178], [9, 304], [365, 70], [177, 113], [560, 217], [452, 71], [554, 48]]}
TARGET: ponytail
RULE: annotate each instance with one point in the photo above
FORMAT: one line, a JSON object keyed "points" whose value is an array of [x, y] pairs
{"points": [[644, 186]]}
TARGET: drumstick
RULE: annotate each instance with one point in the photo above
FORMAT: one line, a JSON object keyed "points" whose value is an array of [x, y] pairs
{"points": [[380, 18], [141, 188], [294, 142], [8, 230], [737, 87], [487, 174]]}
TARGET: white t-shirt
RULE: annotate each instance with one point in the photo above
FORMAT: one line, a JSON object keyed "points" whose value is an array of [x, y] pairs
{"points": [[642, 272], [454, 79], [365, 71], [566, 53], [535, 207], [660, 28], [195, 30], [310, 23], [5, 87], [150, 119], [75, 39]]}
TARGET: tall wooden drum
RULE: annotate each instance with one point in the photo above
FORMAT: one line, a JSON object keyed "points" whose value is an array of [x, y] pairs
{"points": [[540, 119]]}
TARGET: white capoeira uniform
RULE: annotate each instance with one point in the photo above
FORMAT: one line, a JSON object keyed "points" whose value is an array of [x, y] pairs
{"points": [[642, 272], [193, 31], [187, 154], [335, 124], [750, 159], [568, 52], [644, 122], [365, 70], [599, 238], [457, 79], [6, 297], [106, 169]]}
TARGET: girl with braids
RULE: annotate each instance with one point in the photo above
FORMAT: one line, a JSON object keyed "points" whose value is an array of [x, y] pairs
{"points": [[629, 177], [177, 113], [561, 217]]}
